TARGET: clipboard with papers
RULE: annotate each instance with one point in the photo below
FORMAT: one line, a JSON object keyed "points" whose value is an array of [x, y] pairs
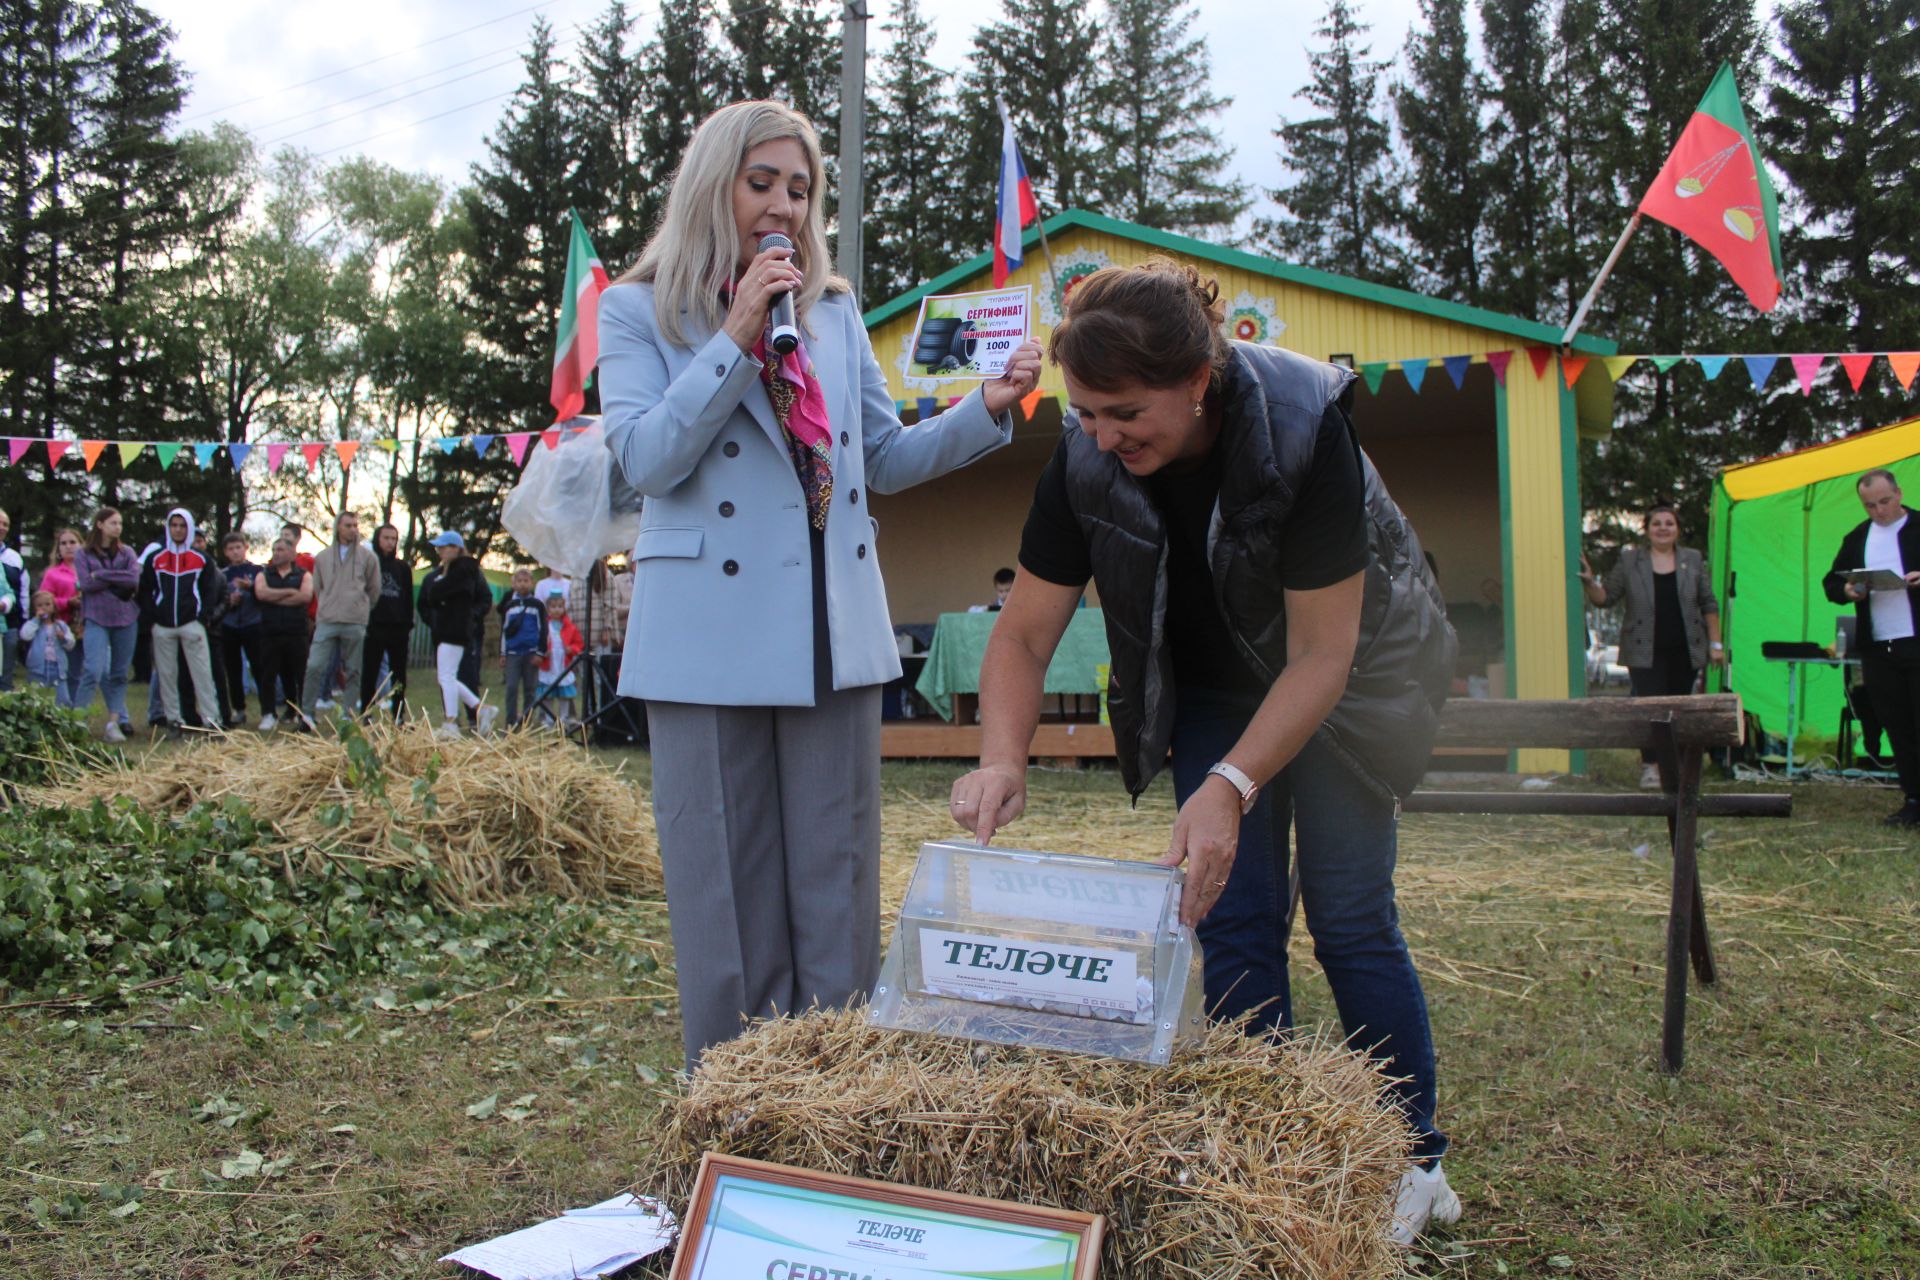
{"points": [[1876, 579]]}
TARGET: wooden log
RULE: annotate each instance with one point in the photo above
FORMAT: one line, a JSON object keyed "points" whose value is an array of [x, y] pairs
{"points": [[1622, 804], [1699, 720], [938, 740]]}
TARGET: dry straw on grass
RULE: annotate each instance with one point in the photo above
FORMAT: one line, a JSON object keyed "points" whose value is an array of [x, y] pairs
{"points": [[517, 814], [1244, 1158]]}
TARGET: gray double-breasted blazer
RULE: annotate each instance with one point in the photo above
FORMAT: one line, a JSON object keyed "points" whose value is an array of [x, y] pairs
{"points": [[723, 587], [1631, 580]]}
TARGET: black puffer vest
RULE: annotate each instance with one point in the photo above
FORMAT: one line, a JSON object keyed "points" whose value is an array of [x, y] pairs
{"points": [[1272, 402]]}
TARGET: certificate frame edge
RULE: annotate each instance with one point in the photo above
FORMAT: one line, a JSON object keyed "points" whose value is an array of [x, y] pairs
{"points": [[1091, 1227], [920, 320]]}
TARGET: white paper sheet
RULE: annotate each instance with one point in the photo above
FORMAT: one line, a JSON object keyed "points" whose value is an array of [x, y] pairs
{"points": [[581, 1243]]}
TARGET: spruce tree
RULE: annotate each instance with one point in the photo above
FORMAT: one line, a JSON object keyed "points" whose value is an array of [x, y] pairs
{"points": [[1440, 113], [684, 77], [1161, 165], [1339, 212], [614, 182], [1521, 194], [1845, 107], [911, 232], [1041, 57]]}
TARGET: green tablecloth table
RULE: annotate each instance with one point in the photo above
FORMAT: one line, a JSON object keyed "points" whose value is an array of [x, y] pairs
{"points": [[960, 641]]}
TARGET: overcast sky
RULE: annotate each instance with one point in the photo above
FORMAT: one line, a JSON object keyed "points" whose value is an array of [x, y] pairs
{"points": [[420, 83]]}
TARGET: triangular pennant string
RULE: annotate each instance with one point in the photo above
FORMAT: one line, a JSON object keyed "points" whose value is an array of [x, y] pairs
{"points": [[237, 454], [517, 446], [389, 445], [1664, 363], [1571, 367], [1456, 367], [1373, 371], [166, 453], [925, 406], [1759, 369], [480, 445], [1540, 357], [447, 444], [345, 450], [550, 438], [1903, 364], [1030, 403], [1806, 368], [129, 450], [1617, 366], [1857, 366], [1498, 362], [57, 449], [1712, 365], [276, 454], [1416, 371], [91, 451], [17, 449], [203, 454], [312, 452]]}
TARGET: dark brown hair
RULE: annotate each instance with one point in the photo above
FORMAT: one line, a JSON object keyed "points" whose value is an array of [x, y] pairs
{"points": [[1646, 520], [96, 541], [1150, 325]]}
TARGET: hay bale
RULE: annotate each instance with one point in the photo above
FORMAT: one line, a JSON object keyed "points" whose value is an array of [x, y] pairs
{"points": [[521, 813], [1245, 1158]]}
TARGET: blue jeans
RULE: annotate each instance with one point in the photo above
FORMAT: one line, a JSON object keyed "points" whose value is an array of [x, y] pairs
{"points": [[109, 650], [76, 671], [1348, 838]]}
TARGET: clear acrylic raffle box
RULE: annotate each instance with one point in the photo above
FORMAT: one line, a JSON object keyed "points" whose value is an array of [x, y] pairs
{"points": [[1043, 949]]}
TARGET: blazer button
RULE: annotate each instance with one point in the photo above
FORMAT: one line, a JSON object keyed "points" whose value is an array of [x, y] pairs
{"points": [[719, 371], [853, 496], [726, 508], [843, 439], [731, 449], [730, 568], [862, 551]]}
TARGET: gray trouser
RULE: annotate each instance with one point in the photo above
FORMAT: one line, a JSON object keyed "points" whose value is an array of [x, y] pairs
{"points": [[769, 821], [349, 640], [523, 684], [168, 643]]}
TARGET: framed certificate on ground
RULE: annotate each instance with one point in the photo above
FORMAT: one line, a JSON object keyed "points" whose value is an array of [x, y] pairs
{"points": [[750, 1220]]}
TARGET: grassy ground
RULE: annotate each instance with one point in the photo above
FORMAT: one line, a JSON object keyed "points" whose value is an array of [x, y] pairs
{"points": [[1785, 1150]]}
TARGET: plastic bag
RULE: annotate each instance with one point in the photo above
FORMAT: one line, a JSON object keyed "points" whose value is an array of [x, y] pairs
{"points": [[572, 505]]}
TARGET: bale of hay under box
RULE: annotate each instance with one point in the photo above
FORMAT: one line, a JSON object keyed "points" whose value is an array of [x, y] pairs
{"points": [[516, 814], [1243, 1158]]}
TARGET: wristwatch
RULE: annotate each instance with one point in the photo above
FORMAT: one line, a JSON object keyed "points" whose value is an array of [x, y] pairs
{"points": [[1249, 789]]}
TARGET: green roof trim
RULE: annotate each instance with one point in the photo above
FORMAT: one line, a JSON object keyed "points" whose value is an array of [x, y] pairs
{"points": [[1386, 295]]}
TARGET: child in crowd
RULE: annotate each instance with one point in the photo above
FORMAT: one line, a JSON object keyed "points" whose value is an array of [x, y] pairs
{"points": [[523, 635], [563, 645], [45, 642]]}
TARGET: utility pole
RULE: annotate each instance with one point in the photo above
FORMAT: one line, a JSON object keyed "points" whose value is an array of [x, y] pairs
{"points": [[853, 138]]}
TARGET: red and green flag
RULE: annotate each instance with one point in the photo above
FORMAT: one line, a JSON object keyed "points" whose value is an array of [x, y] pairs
{"points": [[576, 349], [1714, 190]]}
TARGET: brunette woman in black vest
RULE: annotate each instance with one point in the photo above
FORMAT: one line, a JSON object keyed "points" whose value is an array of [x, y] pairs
{"points": [[1272, 622]]}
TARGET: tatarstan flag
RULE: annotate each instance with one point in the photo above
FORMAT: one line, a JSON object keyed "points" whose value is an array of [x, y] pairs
{"points": [[1714, 190], [576, 349]]}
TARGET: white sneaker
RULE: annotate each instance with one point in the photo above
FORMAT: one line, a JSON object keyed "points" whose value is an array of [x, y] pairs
{"points": [[112, 732], [1650, 777], [448, 729], [266, 724], [485, 718], [325, 704], [1424, 1199]]}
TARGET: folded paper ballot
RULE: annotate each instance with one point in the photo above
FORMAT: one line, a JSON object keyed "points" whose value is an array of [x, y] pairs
{"points": [[1876, 579], [582, 1243]]}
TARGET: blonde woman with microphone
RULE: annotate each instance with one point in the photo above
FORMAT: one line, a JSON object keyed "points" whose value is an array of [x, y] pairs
{"points": [[759, 635]]}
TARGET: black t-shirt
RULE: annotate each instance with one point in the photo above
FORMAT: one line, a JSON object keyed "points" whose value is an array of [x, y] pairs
{"points": [[1669, 624], [1323, 542]]}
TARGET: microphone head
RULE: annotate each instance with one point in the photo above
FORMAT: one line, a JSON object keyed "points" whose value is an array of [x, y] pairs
{"points": [[774, 240]]}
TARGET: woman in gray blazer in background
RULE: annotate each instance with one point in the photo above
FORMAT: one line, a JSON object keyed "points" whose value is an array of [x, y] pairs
{"points": [[759, 633], [1671, 625]]}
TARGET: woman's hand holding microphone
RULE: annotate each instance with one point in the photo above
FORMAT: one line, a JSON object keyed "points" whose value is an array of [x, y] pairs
{"points": [[770, 274]]}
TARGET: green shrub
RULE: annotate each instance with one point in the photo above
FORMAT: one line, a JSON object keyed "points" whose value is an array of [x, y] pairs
{"points": [[39, 740]]}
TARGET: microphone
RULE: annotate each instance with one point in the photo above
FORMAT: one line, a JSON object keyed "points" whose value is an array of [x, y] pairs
{"points": [[786, 333]]}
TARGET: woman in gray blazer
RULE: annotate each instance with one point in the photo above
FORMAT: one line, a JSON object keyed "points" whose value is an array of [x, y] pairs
{"points": [[1671, 627], [759, 633]]}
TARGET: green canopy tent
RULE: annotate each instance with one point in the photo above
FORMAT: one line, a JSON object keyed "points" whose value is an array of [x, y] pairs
{"points": [[1776, 526]]}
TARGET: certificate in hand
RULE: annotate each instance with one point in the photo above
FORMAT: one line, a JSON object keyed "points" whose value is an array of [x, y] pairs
{"points": [[1876, 579]]}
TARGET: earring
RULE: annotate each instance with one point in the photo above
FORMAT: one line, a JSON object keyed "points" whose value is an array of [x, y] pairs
{"points": [[1196, 408]]}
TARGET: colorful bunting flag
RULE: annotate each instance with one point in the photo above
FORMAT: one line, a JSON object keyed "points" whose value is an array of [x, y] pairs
{"points": [[311, 452], [1857, 367], [1540, 357], [1571, 367], [1030, 403], [1373, 371], [91, 451], [1759, 369], [129, 450], [1498, 362], [1806, 368], [237, 454], [1903, 363], [17, 449], [925, 406], [1456, 367], [550, 438], [57, 449], [276, 454], [1416, 372], [1664, 363], [388, 445], [480, 444], [166, 453], [447, 444], [517, 446], [345, 450], [1617, 366], [1712, 365], [203, 454]]}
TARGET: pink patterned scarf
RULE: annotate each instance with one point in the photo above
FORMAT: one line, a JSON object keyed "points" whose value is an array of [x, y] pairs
{"points": [[801, 410]]}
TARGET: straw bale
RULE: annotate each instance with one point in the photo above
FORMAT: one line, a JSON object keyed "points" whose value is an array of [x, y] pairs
{"points": [[516, 814], [1244, 1158]]}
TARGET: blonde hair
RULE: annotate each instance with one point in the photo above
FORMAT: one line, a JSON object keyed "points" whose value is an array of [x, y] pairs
{"points": [[694, 250]]}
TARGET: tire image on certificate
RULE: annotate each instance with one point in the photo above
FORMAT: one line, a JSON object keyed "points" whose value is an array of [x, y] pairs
{"points": [[750, 1220]]}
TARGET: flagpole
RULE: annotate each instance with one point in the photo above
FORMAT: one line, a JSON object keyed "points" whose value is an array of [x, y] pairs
{"points": [[1606, 269]]}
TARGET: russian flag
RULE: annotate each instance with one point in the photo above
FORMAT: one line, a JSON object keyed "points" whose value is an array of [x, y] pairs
{"points": [[1017, 207]]}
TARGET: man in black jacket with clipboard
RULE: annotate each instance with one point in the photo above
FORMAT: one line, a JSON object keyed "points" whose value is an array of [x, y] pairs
{"points": [[1888, 629]]}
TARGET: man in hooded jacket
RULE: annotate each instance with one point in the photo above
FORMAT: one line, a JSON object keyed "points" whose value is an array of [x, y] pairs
{"points": [[183, 594]]}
